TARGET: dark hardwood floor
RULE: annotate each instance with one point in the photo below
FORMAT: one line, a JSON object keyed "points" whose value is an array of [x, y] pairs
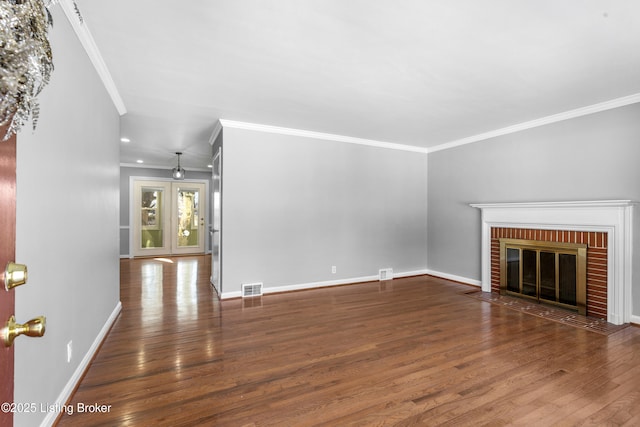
{"points": [[412, 351]]}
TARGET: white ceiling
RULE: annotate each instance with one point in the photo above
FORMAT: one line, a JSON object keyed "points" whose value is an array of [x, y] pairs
{"points": [[413, 72]]}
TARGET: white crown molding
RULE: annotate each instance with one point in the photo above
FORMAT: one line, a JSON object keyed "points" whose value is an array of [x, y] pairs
{"points": [[72, 12], [216, 131], [578, 112], [320, 135], [145, 166], [576, 204]]}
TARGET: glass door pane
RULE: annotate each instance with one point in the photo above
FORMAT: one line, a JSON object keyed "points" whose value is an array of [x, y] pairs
{"points": [[151, 221], [188, 222], [151, 227], [567, 273], [188, 218], [548, 275], [150, 218], [529, 272], [513, 270]]}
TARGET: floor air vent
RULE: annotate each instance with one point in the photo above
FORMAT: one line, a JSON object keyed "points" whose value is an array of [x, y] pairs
{"points": [[251, 289], [385, 274]]}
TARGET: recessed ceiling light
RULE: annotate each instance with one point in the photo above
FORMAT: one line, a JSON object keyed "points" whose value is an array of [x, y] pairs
{"points": [[209, 166], [125, 139], [139, 161]]}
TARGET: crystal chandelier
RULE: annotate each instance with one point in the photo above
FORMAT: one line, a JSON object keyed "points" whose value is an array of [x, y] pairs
{"points": [[26, 62]]}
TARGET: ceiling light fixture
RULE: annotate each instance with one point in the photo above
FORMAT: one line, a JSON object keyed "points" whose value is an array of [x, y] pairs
{"points": [[178, 172], [27, 61]]}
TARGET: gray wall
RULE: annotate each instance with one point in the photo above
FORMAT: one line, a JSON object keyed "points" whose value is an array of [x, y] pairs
{"points": [[125, 174], [67, 223], [293, 207], [593, 157]]}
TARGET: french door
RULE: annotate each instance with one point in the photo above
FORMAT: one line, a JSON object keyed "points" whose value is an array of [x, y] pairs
{"points": [[168, 218]]}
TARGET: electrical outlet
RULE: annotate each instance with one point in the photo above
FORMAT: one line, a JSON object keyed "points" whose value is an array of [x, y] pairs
{"points": [[333, 269], [69, 351]]}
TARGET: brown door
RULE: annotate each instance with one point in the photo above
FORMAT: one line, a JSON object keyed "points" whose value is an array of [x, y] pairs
{"points": [[7, 254]]}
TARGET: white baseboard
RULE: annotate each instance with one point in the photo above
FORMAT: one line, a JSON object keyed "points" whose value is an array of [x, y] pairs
{"points": [[410, 273], [323, 284], [229, 295], [63, 397], [635, 319], [455, 278], [302, 286]]}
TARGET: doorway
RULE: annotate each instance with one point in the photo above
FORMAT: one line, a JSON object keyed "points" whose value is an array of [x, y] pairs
{"points": [[168, 217]]}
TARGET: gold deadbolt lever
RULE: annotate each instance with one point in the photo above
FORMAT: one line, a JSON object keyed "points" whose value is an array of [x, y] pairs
{"points": [[15, 275], [33, 328]]}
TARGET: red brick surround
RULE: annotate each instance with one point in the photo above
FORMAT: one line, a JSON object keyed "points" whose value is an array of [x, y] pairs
{"points": [[596, 260]]}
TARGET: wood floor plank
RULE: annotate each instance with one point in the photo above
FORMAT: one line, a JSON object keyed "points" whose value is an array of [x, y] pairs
{"points": [[411, 351]]}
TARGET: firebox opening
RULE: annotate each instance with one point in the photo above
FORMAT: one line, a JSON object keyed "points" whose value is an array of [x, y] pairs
{"points": [[548, 272]]}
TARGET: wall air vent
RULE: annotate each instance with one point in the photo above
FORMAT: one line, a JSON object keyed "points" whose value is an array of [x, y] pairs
{"points": [[251, 289], [385, 274]]}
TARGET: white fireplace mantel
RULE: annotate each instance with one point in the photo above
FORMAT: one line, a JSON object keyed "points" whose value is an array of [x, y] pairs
{"points": [[615, 217]]}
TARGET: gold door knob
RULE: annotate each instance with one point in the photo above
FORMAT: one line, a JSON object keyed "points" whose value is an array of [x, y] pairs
{"points": [[33, 328], [15, 275]]}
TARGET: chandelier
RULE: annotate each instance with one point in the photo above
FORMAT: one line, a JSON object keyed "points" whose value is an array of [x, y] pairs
{"points": [[26, 62], [178, 172]]}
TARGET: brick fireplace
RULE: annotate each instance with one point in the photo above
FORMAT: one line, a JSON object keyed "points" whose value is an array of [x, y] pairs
{"points": [[596, 259], [608, 228]]}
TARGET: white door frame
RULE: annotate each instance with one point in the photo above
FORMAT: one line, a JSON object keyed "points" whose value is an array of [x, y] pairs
{"points": [[216, 226]]}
